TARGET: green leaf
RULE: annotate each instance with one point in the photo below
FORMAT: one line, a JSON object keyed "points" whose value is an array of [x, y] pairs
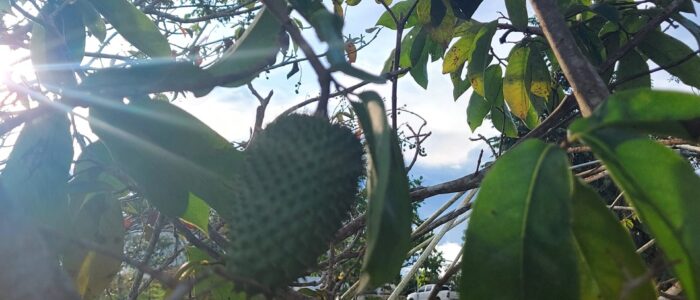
{"points": [[253, 52], [30, 268], [517, 13], [199, 264], [632, 65], [55, 54], [517, 81], [518, 244], [389, 212], [412, 47], [540, 80], [665, 50], [329, 28], [150, 77], [493, 83], [36, 173], [503, 121], [99, 220], [465, 9], [588, 41], [477, 110], [658, 112], [415, 52], [438, 11], [389, 62], [461, 50], [423, 12], [197, 213], [685, 6], [149, 138], [606, 11], [460, 85], [441, 30], [92, 19], [134, 26], [69, 22], [399, 9], [95, 164], [532, 119], [436, 50], [662, 190], [419, 71], [607, 250], [479, 59], [689, 25]]}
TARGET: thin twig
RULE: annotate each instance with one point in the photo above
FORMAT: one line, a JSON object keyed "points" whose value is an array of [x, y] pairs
{"points": [[346, 91], [659, 68], [194, 240], [640, 35], [260, 111], [155, 236]]}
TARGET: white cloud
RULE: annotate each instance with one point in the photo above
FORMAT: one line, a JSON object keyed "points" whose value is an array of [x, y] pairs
{"points": [[449, 252]]}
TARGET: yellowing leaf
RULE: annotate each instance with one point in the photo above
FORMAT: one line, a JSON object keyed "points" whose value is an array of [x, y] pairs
{"points": [[197, 213], [444, 32], [515, 89], [99, 220], [84, 273], [540, 88], [423, 12], [460, 52], [540, 84], [477, 82], [338, 8], [351, 51], [480, 58]]}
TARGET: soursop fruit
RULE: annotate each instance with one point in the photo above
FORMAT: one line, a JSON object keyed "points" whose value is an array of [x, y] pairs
{"points": [[298, 184]]}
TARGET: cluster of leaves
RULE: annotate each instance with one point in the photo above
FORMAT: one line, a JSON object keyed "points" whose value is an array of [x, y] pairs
{"points": [[552, 227], [536, 230], [151, 149], [530, 89]]}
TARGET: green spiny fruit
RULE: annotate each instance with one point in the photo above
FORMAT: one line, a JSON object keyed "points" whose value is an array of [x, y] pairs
{"points": [[299, 181]]}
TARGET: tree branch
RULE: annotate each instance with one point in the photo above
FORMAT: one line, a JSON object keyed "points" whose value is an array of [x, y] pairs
{"points": [[135, 287], [589, 88]]}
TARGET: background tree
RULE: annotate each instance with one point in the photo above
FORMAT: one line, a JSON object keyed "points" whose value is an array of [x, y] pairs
{"points": [[112, 191]]}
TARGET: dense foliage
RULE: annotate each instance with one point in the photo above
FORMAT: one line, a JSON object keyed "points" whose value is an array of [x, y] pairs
{"points": [[109, 190]]}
